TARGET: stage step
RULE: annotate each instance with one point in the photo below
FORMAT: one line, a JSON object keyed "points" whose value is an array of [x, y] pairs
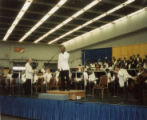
{"points": [[53, 96], [72, 94]]}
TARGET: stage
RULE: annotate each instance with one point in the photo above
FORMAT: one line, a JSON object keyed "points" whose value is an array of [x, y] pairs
{"points": [[72, 94], [44, 109]]}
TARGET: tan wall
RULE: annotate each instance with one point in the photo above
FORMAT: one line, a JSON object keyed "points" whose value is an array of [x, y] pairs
{"points": [[129, 50]]}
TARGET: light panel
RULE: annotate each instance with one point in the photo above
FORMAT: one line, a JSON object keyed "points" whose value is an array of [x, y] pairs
{"points": [[93, 20], [115, 21], [93, 3], [18, 18], [44, 18], [17, 68]]}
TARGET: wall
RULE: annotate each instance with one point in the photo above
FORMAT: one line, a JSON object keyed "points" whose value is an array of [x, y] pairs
{"points": [[41, 53], [126, 26], [75, 58], [133, 38], [132, 30], [129, 50]]}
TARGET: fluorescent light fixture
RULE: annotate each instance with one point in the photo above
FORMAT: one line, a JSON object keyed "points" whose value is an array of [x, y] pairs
{"points": [[90, 5], [93, 3], [95, 19], [18, 18], [115, 21], [59, 26], [115, 9], [128, 2], [67, 20], [53, 10], [17, 68], [78, 13], [62, 36], [62, 2], [43, 19], [87, 23]]}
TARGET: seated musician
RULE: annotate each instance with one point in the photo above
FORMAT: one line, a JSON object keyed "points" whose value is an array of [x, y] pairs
{"points": [[23, 78], [79, 82], [140, 70], [91, 81], [87, 67], [35, 78], [103, 67], [108, 74], [79, 67], [47, 77], [43, 70], [9, 78], [106, 65], [41, 81], [57, 76], [141, 86], [145, 65], [115, 80], [85, 76], [110, 66], [111, 81], [123, 76], [98, 68], [92, 65]]}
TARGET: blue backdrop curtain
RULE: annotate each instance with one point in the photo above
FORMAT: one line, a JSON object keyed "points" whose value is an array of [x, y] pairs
{"points": [[93, 55], [43, 109]]}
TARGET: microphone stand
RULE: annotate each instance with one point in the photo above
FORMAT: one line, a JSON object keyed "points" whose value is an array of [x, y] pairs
{"points": [[31, 85], [85, 84]]}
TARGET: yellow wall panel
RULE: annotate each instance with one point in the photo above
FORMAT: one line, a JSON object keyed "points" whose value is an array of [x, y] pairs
{"points": [[129, 50]]}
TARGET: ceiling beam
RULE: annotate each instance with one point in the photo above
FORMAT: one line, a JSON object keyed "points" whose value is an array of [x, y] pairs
{"points": [[19, 29], [57, 15], [49, 22]]}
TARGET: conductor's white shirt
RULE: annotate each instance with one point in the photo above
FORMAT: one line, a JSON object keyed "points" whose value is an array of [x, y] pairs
{"points": [[28, 71], [63, 61]]}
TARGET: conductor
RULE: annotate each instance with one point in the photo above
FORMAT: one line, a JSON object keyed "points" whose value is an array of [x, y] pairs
{"points": [[63, 67]]}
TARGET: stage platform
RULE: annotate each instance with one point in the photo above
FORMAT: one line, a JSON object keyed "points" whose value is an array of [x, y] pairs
{"points": [[45, 109], [72, 94]]}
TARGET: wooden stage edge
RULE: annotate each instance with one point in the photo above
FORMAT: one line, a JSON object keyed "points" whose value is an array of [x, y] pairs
{"points": [[72, 94]]}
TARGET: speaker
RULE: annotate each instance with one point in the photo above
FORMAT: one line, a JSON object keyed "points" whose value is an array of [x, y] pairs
{"points": [[53, 96]]}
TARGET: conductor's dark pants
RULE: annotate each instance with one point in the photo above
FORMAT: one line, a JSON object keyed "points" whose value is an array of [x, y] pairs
{"points": [[64, 74]]}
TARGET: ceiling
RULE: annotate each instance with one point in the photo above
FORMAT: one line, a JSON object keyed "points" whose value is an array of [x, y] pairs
{"points": [[10, 8]]}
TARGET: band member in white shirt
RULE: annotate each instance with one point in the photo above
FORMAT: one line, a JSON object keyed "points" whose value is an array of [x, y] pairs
{"points": [[29, 76], [63, 67], [123, 76], [43, 70], [47, 76], [57, 76], [35, 78], [92, 81], [85, 76], [9, 78]]}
